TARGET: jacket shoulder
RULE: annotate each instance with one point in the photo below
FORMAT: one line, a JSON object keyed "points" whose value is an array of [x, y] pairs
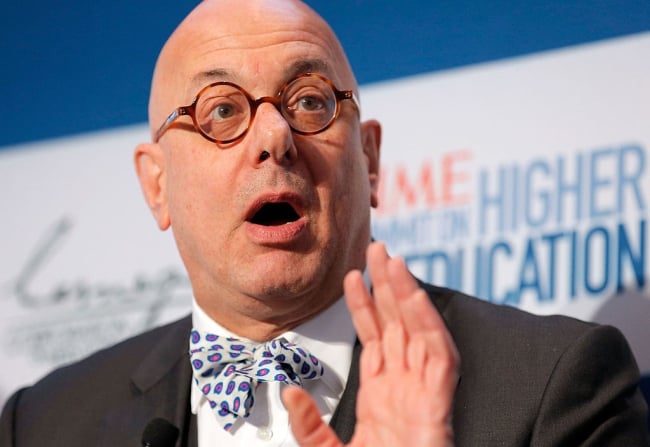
{"points": [[119, 359], [72, 400], [471, 319], [522, 374]]}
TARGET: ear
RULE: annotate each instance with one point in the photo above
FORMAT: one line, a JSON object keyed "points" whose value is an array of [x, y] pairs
{"points": [[371, 141], [150, 166]]}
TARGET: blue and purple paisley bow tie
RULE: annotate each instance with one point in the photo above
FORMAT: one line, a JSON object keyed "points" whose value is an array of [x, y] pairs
{"points": [[227, 370]]}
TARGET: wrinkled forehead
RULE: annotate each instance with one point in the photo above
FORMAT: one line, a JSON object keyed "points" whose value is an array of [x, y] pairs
{"points": [[258, 44]]}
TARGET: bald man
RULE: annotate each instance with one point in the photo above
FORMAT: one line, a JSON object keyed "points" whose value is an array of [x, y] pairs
{"points": [[265, 172]]}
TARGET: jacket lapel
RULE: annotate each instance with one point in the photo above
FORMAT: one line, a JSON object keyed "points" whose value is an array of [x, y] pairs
{"points": [[344, 419], [160, 386]]}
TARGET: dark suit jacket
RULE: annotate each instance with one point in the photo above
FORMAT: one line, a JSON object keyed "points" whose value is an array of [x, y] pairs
{"points": [[524, 380]]}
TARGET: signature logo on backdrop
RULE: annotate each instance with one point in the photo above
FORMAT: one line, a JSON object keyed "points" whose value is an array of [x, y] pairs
{"points": [[57, 320]]}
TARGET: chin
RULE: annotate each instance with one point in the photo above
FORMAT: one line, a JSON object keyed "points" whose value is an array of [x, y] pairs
{"points": [[285, 280], [283, 287]]}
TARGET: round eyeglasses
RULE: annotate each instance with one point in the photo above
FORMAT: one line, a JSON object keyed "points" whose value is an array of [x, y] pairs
{"points": [[223, 112]]}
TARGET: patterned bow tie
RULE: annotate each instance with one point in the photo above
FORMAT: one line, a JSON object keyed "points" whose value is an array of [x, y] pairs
{"points": [[227, 370]]}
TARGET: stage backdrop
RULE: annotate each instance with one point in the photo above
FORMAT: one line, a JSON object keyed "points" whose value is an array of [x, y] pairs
{"points": [[524, 181]]}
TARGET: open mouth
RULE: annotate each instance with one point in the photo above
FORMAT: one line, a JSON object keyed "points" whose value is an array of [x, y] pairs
{"points": [[273, 214]]}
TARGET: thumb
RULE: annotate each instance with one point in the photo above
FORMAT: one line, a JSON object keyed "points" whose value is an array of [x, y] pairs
{"points": [[306, 424]]}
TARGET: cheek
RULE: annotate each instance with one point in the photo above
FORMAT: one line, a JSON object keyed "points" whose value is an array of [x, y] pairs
{"points": [[183, 184], [198, 215], [333, 157], [341, 175], [193, 187]]}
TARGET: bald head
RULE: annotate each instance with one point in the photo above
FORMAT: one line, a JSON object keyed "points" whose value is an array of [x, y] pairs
{"points": [[243, 40]]}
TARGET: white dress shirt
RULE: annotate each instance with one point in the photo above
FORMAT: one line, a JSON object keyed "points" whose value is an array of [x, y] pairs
{"points": [[329, 336]]}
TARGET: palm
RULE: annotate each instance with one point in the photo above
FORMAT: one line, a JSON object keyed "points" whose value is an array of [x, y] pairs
{"points": [[391, 412]]}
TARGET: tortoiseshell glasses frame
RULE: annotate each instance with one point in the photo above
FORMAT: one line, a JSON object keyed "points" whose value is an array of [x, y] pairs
{"points": [[223, 112]]}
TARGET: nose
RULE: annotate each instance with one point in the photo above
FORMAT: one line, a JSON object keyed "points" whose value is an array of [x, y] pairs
{"points": [[272, 139]]}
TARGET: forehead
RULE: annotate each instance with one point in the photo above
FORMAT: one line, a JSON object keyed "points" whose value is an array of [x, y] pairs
{"points": [[255, 44]]}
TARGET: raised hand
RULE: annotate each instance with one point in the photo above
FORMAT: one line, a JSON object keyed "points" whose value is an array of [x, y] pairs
{"points": [[408, 366]]}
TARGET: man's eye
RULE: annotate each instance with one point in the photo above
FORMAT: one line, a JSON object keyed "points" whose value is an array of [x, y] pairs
{"points": [[310, 103], [223, 111]]}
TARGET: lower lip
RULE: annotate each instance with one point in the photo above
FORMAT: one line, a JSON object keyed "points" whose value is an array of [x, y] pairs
{"points": [[276, 234]]}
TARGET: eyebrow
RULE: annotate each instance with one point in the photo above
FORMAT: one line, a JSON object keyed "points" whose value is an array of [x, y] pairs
{"points": [[302, 66], [296, 68], [217, 74]]}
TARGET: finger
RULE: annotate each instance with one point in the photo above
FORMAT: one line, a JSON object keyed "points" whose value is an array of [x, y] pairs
{"points": [[385, 303], [429, 341], [402, 282], [442, 363], [423, 322], [416, 356], [416, 309], [361, 307], [420, 315], [441, 379], [306, 424], [394, 347], [371, 361]]}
